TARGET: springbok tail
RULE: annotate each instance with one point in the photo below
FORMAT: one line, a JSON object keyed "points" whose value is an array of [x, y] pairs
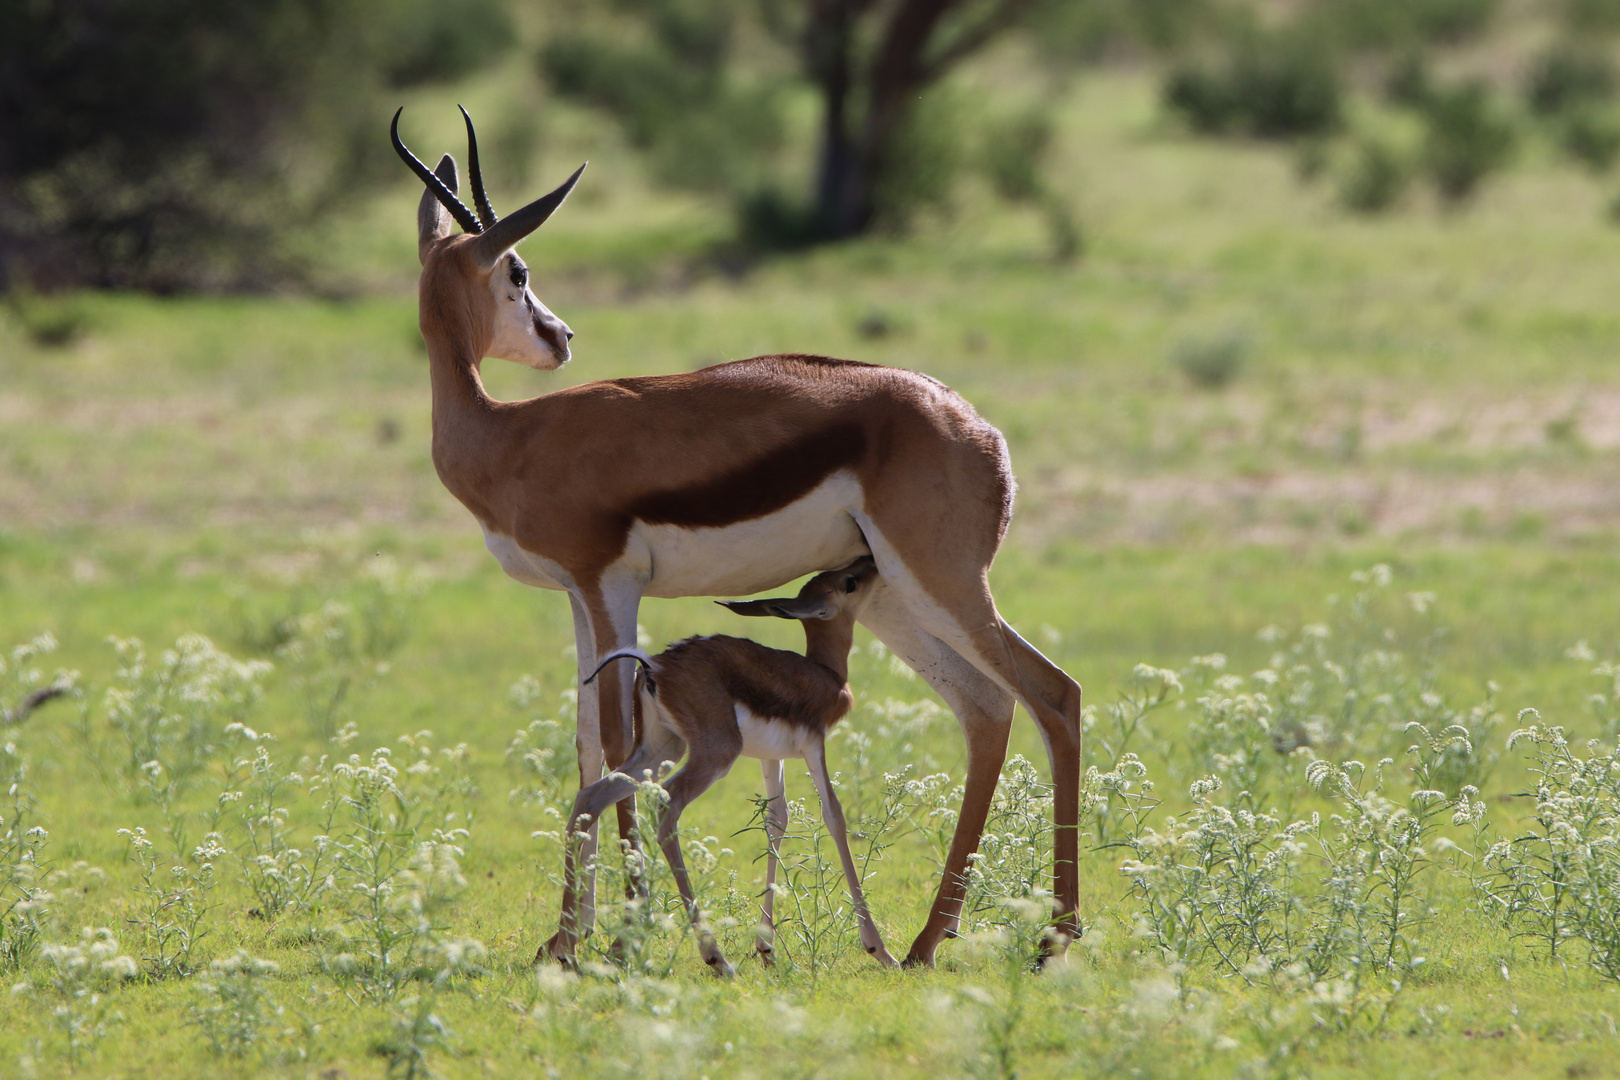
{"points": [[621, 654]]}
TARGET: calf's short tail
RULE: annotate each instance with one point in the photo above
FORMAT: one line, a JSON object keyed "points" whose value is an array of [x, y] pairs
{"points": [[620, 654]]}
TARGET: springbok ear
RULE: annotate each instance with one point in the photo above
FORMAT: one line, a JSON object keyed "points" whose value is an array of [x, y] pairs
{"points": [[780, 607], [432, 219]]}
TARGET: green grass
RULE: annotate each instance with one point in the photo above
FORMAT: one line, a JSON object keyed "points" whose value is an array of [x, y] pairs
{"points": [[1432, 391]]}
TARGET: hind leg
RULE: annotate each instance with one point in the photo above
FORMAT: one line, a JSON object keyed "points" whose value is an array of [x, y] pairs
{"points": [[985, 712], [950, 601], [693, 780], [661, 750], [1053, 699]]}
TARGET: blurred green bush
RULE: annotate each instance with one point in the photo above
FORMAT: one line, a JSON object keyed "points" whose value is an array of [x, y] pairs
{"points": [[167, 144], [676, 90], [1270, 85], [1468, 138]]}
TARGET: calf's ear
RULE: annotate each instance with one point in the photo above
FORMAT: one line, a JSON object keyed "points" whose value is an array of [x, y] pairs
{"points": [[781, 607]]}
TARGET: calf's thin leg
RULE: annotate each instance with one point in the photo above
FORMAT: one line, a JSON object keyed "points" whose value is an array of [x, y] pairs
{"points": [[775, 829], [693, 780], [658, 750], [832, 814]]}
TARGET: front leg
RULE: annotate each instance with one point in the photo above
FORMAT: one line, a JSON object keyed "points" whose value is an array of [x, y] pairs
{"points": [[832, 815], [604, 620], [775, 829]]}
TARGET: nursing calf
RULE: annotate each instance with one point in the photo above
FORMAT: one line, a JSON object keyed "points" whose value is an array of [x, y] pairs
{"points": [[715, 699]]}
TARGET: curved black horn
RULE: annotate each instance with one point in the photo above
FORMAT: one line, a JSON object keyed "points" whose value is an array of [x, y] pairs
{"points": [[486, 212], [520, 223], [464, 217]]}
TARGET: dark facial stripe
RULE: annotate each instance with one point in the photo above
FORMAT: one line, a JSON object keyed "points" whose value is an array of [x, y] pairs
{"points": [[760, 487]]}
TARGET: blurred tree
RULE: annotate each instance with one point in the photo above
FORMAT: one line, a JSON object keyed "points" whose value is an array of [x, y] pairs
{"points": [[1088, 31], [1568, 75], [1380, 25], [1277, 84], [167, 144], [666, 70], [1467, 138], [870, 62], [1602, 16]]}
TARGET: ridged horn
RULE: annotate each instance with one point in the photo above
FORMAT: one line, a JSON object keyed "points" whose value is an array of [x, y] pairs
{"points": [[486, 212], [520, 223], [446, 197]]}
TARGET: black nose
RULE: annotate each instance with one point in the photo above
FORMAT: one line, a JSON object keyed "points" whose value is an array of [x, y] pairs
{"points": [[569, 334]]}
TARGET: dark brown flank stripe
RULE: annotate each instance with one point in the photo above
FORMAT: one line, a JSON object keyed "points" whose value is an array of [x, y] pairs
{"points": [[760, 487]]}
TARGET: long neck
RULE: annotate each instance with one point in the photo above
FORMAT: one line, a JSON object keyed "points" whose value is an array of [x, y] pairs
{"points": [[462, 410], [458, 389], [466, 425], [827, 642]]}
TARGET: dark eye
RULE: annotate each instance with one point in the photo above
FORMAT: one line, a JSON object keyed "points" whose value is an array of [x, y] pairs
{"points": [[520, 276], [850, 585]]}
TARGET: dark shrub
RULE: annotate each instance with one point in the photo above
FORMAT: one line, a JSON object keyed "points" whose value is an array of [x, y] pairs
{"points": [[1568, 75], [1592, 137], [1599, 15], [1467, 139], [445, 39], [1214, 362], [669, 87], [1390, 24], [1014, 150], [1375, 179], [1271, 86], [1408, 81], [1071, 32], [174, 144], [768, 219]]}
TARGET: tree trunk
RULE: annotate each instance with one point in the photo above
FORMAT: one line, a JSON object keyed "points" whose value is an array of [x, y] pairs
{"points": [[856, 152], [828, 44]]}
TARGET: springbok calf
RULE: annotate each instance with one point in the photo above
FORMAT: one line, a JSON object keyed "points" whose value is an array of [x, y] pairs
{"points": [[719, 698], [729, 481]]}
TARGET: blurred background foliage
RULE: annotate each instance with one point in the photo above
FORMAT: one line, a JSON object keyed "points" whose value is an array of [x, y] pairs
{"points": [[164, 144], [180, 144]]}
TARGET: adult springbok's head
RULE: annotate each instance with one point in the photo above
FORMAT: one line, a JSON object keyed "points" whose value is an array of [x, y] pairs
{"points": [[474, 286]]}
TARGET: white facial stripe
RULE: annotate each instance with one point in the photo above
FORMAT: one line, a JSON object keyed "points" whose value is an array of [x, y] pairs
{"points": [[518, 313]]}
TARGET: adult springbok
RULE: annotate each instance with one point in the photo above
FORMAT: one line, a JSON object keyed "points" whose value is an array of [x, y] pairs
{"points": [[727, 481]]}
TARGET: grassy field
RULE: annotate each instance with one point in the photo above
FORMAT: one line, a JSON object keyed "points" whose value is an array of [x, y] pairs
{"points": [[1432, 392]]}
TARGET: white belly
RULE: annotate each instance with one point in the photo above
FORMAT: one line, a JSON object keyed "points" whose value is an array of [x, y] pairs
{"points": [[771, 740], [818, 532], [525, 566]]}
